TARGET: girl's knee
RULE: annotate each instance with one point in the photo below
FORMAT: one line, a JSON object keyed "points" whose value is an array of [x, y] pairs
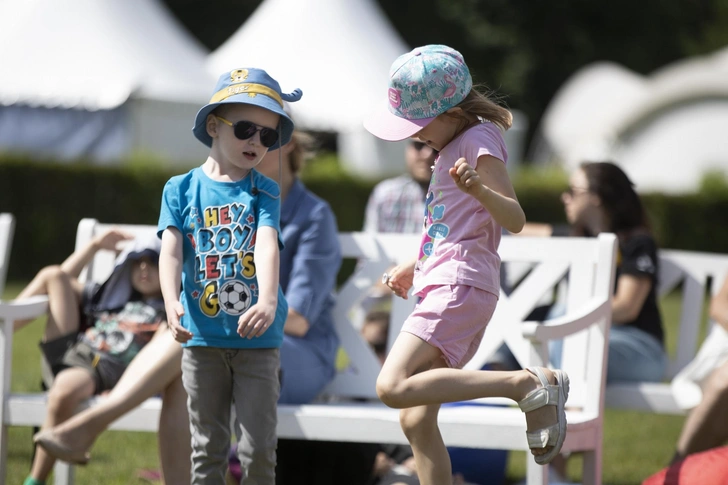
{"points": [[417, 420], [389, 390]]}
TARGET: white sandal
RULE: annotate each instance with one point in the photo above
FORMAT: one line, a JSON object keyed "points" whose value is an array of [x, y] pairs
{"points": [[547, 395]]}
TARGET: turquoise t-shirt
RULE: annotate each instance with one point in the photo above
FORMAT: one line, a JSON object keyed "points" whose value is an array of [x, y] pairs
{"points": [[218, 221]]}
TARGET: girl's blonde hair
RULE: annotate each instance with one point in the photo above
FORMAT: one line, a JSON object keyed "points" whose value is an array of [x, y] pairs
{"points": [[303, 149], [481, 103]]}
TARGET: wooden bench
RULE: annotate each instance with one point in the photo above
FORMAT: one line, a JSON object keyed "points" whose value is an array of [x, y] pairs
{"points": [[589, 263]]}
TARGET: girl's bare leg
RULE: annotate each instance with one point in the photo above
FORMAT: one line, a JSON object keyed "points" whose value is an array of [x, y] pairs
{"points": [[154, 368], [420, 427], [175, 448], [402, 385], [64, 296], [69, 388], [707, 424]]}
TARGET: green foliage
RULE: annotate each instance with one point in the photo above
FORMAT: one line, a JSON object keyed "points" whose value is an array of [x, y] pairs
{"points": [[49, 199], [714, 182]]}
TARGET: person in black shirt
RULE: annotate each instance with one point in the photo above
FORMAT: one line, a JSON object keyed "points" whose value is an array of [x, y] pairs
{"points": [[601, 198]]}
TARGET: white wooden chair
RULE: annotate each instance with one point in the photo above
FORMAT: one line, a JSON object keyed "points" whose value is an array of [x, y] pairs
{"points": [[7, 229], [696, 272], [590, 264]]}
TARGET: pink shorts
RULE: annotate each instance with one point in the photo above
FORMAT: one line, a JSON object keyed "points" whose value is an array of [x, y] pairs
{"points": [[453, 319]]}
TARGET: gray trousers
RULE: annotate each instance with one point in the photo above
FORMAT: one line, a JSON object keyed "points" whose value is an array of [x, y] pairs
{"points": [[213, 378]]}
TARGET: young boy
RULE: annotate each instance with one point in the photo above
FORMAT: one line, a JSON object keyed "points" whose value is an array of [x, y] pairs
{"points": [[219, 225]]}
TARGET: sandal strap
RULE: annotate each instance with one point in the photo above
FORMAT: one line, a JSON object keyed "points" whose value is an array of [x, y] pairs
{"points": [[543, 437], [546, 395]]}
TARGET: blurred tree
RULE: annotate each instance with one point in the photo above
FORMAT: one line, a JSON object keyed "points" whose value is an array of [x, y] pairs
{"points": [[523, 49]]}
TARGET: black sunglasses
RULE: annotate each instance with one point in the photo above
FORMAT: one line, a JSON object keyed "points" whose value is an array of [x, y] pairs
{"points": [[418, 145], [572, 191], [246, 129]]}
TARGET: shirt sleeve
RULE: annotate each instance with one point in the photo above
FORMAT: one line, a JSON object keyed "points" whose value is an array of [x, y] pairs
{"points": [[170, 214], [371, 215], [639, 257], [269, 207], [485, 139], [315, 265]]}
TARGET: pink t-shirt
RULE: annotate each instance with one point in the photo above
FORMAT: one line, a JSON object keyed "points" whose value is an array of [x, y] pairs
{"points": [[460, 238]]}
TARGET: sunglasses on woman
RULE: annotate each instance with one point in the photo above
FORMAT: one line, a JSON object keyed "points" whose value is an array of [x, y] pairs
{"points": [[247, 129], [573, 191]]}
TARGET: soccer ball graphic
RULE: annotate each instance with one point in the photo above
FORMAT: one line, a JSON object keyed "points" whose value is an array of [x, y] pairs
{"points": [[234, 298]]}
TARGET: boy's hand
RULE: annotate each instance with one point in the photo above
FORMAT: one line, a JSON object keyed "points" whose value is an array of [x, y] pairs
{"points": [[175, 310], [110, 238], [466, 178], [255, 321], [400, 278]]}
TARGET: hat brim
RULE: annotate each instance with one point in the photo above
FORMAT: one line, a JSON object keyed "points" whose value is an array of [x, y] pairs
{"points": [[386, 125], [286, 123]]}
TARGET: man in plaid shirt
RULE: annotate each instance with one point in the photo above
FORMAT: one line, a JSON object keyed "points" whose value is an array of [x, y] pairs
{"points": [[398, 204]]}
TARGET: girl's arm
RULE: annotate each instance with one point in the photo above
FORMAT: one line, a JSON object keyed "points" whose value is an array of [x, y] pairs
{"points": [[719, 306], [256, 320], [108, 239], [537, 229], [490, 185], [170, 279], [631, 294]]}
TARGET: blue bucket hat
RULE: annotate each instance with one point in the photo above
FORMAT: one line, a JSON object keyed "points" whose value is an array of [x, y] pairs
{"points": [[248, 86]]}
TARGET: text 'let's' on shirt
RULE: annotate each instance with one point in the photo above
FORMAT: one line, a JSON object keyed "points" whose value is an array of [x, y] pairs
{"points": [[460, 238], [218, 222]]}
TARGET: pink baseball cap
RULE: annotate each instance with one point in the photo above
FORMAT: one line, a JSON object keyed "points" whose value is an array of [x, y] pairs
{"points": [[423, 84]]}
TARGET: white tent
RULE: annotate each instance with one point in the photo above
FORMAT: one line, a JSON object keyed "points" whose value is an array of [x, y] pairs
{"points": [[100, 79], [339, 53], [665, 130]]}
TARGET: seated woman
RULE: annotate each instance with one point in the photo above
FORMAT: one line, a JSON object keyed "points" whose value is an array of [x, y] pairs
{"points": [[601, 198], [93, 333], [309, 264]]}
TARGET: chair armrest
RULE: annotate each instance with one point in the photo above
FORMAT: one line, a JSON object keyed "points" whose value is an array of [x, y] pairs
{"points": [[558, 328], [24, 309]]}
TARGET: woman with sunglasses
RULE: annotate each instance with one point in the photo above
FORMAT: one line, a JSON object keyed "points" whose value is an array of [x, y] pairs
{"points": [[601, 198]]}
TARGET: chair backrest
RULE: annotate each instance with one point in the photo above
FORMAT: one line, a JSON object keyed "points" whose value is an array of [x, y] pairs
{"points": [[590, 266], [696, 272], [100, 268], [375, 254], [589, 263], [7, 229]]}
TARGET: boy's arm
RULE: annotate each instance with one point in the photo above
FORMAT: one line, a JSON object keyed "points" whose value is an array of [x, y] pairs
{"points": [[255, 321], [108, 239], [170, 277]]}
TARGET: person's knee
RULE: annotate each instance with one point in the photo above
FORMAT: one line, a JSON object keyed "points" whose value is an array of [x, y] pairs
{"points": [[62, 399], [52, 273], [390, 390], [415, 421]]}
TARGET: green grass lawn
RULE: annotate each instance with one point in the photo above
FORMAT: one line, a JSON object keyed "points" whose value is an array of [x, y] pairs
{"points": [[635, 444]]}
